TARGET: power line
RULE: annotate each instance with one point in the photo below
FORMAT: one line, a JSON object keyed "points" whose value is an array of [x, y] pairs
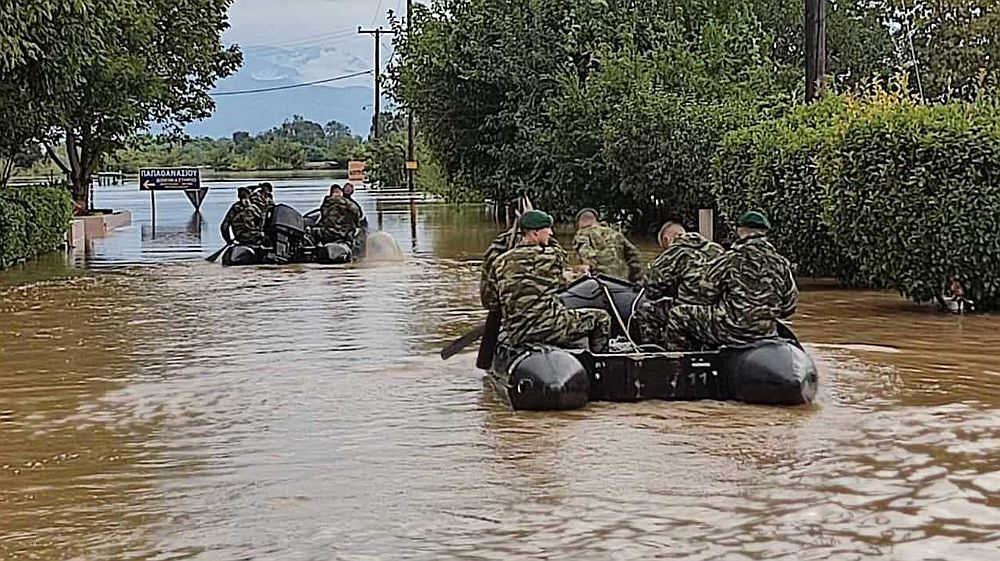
{"points": [[378, 8], [293, 86]]}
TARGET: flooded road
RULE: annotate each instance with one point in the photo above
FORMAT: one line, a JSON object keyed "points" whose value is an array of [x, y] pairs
{"points": [[154, 406]]}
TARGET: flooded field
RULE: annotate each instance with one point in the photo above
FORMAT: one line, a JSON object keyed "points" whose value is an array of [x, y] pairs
{"points": [[154, 406]]}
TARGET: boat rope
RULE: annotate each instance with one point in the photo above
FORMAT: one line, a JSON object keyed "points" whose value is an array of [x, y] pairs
{"points": [[618, 316]]}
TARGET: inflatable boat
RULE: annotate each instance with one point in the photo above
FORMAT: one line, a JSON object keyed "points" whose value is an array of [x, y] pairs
{"points": [[543, 377], [286, 229]]}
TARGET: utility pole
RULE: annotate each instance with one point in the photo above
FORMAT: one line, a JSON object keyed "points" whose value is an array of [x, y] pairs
{"points": [[815, 35], [377, 34], [411, 163]]}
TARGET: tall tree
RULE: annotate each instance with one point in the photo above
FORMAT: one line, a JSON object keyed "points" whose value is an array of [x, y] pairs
{"points": [[43, 45], [158, 66]]}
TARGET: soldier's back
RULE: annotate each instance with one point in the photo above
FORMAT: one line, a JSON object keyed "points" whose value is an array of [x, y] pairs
{"points": [[603, 248], [760, 286], [528, 280]]}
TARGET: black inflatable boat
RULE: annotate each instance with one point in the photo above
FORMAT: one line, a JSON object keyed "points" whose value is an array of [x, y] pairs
{"points": [[543, 377], [286, 230]]}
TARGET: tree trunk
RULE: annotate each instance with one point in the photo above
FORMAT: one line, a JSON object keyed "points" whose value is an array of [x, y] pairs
{"points": [[81, 170]]}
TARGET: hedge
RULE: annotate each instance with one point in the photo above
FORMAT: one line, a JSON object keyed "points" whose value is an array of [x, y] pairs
{"points": [[773, 167], [33, 221], [913, 198], [878, 192]]}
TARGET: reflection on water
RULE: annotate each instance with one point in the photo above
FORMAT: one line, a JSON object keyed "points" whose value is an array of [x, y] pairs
{"points": [[161, 407]]}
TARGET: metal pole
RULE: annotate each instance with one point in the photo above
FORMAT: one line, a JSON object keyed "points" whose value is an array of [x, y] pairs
{"points": [[378, 81], [152, 209], [409, 110], [377, 108]]}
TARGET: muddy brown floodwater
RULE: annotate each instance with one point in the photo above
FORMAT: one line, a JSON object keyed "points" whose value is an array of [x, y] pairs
{"points": [[154, 406]]}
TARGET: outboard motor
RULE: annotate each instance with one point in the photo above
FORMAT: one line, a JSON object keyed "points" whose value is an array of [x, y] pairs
{"points": [[286, 228], [547, 378]]}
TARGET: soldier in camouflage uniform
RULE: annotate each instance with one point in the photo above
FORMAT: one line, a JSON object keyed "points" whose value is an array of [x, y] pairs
{"points": [[604, 250], [244, 220], [500, 245], [528, 280], [673, 278], [750, 286], [263, 198], [339, 219]]}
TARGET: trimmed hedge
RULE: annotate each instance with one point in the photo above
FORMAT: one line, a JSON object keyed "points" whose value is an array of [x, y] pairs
{"points": [[913, 197], [773, 167], [33, 221], [877, 192]]}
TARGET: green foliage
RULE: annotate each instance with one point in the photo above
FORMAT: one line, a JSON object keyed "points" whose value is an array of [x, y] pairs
{"points": [[33, 221], [957, 46], [773, 167], [877, 190], [291, 145], [543, 96], [913, 198]]}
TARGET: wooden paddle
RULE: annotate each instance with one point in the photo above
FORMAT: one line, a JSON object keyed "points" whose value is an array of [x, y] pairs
{"points": [[463, 341], [213, 257]]}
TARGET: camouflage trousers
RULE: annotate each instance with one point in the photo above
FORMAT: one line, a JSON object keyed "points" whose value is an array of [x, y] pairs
{"points": [[651, 321], [249, 237], [692, 327], [574, 325]]}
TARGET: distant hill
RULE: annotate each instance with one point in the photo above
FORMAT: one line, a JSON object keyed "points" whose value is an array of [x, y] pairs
{"points": [[266, 67]]}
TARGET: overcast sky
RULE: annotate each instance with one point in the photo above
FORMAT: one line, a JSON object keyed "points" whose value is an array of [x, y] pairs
{"points": [[330, 25]]}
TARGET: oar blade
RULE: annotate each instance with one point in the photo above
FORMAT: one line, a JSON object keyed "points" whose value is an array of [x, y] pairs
{"points": [[463, 342]]}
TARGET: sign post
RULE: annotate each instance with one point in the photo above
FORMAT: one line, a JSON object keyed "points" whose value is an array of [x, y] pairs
{"points": [[172, 179]]}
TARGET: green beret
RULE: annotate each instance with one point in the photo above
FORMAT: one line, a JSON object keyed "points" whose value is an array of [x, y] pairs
{"points": [[754, 219], [596, 214], [535, 220]]}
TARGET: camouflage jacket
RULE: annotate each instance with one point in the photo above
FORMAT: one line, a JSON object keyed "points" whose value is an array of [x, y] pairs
{"points": [[753, 285], [340, 216], [262, 200], [500, 245], [528, 280], [677, 271], [608, 252], [246, 221]]}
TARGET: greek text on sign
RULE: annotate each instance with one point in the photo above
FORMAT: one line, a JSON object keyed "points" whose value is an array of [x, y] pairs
{"points": [[169, 179]]}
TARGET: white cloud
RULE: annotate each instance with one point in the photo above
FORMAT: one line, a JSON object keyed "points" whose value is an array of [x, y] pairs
{"points": [[320, 36]]}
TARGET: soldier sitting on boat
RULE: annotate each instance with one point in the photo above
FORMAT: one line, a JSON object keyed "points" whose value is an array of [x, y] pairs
{"points": [[263, 197], [673, 278], [528, 281], [746, 291], [244, 223], [604, 250], [339, 219]]}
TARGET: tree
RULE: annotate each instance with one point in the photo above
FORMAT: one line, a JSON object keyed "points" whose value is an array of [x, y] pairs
{"points": [[956, 45], [43, 44], [335, 130], [158, 66]]}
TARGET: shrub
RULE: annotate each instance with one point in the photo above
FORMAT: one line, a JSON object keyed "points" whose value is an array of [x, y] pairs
{"points": [[33, 221], [773, 168], [912, 196]]}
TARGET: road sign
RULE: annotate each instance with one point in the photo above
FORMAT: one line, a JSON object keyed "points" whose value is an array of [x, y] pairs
{"points": [[169, 179], [411, 164], [356, 171]]}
